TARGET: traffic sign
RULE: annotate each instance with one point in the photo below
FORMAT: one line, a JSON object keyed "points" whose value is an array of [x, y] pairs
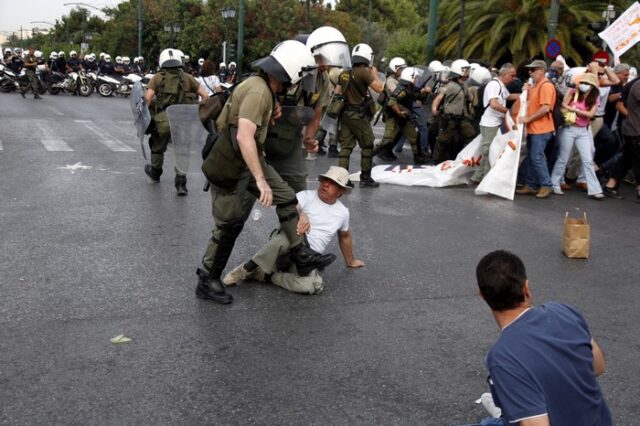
{"points": [[553, 48], [601, 56]]}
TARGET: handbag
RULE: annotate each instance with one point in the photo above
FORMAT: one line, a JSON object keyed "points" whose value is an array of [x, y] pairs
{"points": [[570, 117]]}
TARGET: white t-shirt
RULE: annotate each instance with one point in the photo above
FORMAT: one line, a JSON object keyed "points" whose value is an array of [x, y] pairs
{"points": [[492, 117], [325, 219], [604, 94], [209, 83]]}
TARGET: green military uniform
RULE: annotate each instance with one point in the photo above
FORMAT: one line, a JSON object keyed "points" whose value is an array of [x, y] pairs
{"points": [[355, 120], [403, 96], [171, 86], [30, 64], [234, 187], [456, 130], [283, 145]]}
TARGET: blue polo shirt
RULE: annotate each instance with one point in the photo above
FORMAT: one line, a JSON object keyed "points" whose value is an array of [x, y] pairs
{"points": [[543, 364]]}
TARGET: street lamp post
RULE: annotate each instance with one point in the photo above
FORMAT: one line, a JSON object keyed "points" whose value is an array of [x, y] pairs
{"points": [[240, 37], [172, 28], [307, 14], [228, 12]]}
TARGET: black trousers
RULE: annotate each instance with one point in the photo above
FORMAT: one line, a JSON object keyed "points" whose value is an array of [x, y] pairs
{"points": [[630, 159]]}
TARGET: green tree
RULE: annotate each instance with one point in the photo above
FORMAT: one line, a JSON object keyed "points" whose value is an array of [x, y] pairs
{"points": [[515, 30]]}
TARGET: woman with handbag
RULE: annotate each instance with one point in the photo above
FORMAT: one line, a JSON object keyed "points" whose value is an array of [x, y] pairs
{"points": [[579, 106]]}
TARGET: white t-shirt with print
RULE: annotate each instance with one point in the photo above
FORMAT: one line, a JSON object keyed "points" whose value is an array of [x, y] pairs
{"points": [[325, 219], [494, 89], [210, 83]]}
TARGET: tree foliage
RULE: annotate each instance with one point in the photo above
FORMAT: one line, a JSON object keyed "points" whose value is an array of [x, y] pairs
{"points": [[494, 30]]}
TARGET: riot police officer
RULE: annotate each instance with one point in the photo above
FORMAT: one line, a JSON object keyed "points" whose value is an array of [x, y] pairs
{"points": [[355, 119], [30, 64], [396, 65], [456, 129], [236, 166], [399, 117], [172, 85]]}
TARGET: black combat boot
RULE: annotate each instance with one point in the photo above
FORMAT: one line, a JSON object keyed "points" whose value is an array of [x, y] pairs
{"points": [[366, 181], [152, 172], [333, 151], [181, 185], [306, 260], [211, 288]]}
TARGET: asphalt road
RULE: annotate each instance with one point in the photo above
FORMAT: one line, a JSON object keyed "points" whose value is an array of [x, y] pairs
{"points": [[90, 249]]}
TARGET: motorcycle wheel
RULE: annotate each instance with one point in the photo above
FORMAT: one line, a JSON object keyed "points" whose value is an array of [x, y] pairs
{"points": [[105, 90], [54, 90], [85, 89]]}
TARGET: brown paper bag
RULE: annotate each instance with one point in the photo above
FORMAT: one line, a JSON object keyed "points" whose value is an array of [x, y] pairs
{"points": [[576, 237]]}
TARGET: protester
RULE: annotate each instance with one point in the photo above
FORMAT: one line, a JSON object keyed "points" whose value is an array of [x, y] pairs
{"points": [[582, 101], [540, 129], [544, 365], [208, 78], [327, 217], [495, 103]]}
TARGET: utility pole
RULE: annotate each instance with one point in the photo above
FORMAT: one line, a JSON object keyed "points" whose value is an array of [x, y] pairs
{"points": [[433, 26], [240, 37], [553, 19], [369, 24], [460, 30], [139, 27]]}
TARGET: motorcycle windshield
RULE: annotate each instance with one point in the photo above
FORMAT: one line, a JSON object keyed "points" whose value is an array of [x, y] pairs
{"points": [[186, 128]]}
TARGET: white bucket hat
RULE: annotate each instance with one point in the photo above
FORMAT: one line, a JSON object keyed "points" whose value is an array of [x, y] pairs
{"points": [[339, 175]]}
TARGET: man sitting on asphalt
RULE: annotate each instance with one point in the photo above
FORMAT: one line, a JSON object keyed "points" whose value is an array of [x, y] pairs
{"points": [[327, 216], [543, 367]]}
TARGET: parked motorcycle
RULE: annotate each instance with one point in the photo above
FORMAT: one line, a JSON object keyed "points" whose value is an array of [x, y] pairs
{"points": [[106, 85], [70, 83], [126, 86], [9, 81]]}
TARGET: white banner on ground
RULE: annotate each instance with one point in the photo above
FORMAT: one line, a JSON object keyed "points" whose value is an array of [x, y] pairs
{"points": [[624, 33], [447, 173], [501, 179]]}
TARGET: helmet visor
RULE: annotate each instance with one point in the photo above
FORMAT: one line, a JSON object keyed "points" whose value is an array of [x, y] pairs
{"points": [[334, 54], [308, 81]]}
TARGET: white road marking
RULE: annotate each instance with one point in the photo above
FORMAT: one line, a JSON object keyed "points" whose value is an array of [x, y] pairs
{"points": [[49, 141], [55, 145], [1, 147], [112, 144], [74, 167]]}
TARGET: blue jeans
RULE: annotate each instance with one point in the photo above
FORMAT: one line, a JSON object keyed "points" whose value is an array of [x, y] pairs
{"points": [[490, 421], [535, 168], [583, 140]]}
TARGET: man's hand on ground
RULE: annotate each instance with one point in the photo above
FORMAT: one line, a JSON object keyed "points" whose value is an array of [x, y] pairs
{"points": [[355, 263]]}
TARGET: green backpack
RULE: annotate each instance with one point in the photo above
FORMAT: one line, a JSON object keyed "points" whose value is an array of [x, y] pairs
{"points": [[170, 91]]}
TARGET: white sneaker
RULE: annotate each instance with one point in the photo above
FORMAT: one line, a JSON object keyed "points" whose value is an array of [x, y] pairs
{"points": [[557, 190]]}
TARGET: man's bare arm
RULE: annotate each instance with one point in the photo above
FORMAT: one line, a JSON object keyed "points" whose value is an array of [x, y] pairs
{"points": [[598, 358], [345, 241]]}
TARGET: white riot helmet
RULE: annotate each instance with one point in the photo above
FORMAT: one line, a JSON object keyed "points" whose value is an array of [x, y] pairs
{"points": [[61, 54], [289, 62], [102, 55], [118, 59], [362, 54], [186, 58], [409, 74], [460, 68], [222, 65], [7, 51], [126, 60], [53, 55], [17, 51], [91, 57], [232, 64], [201, 61], [479, 75], [397, 63], [141, 59], [330, 45], [73, 54], [37, 54], [436, 66], [107, 58], [170, 58]]}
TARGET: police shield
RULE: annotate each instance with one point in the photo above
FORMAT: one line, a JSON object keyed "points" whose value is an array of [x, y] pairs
{"points": [[141, 115], [425, 78], [186, 129], [330, 125]]}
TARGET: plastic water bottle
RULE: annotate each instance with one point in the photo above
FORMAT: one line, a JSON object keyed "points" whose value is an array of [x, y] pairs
{"points": [[256, 214]]}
